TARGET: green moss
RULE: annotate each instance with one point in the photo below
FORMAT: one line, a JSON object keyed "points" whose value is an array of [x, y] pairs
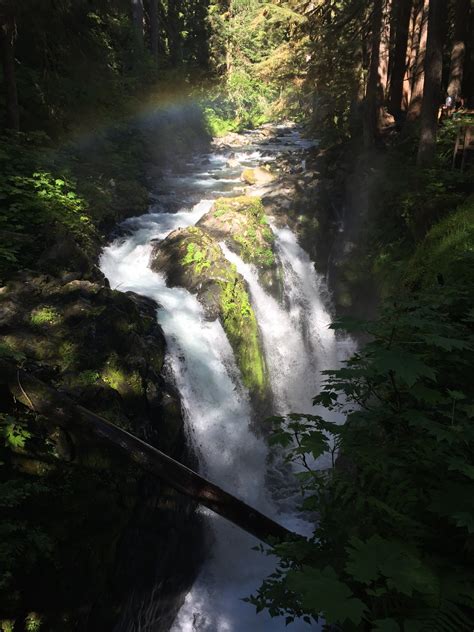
{"points": [[243, 203], [253, 252], [255, 239], [196, 256], [241, 328], [122, 381], [45, 316]]}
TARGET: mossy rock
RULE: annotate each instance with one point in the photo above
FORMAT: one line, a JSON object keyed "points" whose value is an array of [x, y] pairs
{"points": [[241, 223], [192, 258]]}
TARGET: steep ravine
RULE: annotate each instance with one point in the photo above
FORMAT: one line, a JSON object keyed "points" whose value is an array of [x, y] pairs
{"points": [[205, 359]]}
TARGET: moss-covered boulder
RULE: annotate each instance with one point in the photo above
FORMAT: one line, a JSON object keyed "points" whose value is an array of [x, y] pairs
{"points": [[241, 223], [192, 258]]}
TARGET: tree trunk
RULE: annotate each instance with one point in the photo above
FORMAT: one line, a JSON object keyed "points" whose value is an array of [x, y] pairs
{"points": [[371, 118], [63, 412], [412, 51], [154, 29], [469, 65], [418, 80], [432, 87], [458, 51], [7, 39], [384, 52], [402, 24], [137, 20], [175, 43]]}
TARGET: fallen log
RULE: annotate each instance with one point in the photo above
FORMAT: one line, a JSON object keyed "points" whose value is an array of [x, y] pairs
{"points": [[63, 412]]}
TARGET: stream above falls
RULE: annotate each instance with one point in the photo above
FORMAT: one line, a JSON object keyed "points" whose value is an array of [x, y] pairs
{"points": [[221, 422]]}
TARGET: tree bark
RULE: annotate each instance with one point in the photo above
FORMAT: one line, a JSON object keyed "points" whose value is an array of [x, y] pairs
{"points": [[418, 80], [154, 29], [469, 65], [175, 43], [458, 50], [402, 23], [412, 50], [137, 20], [63, 412], [432, 87], [384, 52], [7, 39], [371, 95]]}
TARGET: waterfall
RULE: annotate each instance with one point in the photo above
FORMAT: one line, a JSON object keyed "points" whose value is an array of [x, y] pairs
{"points": [[298, 344]]}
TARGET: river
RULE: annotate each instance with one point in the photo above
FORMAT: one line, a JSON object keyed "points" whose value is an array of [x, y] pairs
{"points": [[298, 345]]}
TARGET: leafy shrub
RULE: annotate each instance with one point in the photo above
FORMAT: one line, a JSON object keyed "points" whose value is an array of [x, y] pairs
{"points": [[393, 547]]}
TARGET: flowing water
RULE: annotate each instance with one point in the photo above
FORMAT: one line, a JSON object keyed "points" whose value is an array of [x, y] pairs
{"points": [[298, 345]]}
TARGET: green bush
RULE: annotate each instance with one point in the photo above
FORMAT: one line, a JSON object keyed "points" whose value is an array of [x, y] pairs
{"points": [[393, 546]]}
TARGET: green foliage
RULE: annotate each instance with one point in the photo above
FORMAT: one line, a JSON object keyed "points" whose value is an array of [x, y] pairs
{"points": [[393, 545], [45, 316], [447, 251], [336, 73], [405, 207], [253, 252], [15, 435], [35, 204], [196, 257], [258, 46]]}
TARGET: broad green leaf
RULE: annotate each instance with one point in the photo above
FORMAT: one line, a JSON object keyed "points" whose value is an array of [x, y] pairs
{"points": [[406, 366], [393, 560], [321, 591]]}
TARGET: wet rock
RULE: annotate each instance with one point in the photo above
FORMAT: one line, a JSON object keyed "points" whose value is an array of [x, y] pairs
{"points": [[258, 176], [241, 223], [192, 258]]}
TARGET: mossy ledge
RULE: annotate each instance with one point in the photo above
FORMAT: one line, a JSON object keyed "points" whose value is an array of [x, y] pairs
{"points": [[191, 258]]}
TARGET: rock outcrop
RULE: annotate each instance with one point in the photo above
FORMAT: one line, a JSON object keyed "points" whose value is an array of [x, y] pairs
{"points": [[109, 525], [193, 259], [241, 223]]}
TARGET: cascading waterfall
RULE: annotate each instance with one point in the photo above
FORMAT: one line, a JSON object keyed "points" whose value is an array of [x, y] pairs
{"points": [[291, 367], [298, 345]]}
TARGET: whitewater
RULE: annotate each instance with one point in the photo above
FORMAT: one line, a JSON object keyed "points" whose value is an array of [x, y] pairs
{"points": [[298, 346]]}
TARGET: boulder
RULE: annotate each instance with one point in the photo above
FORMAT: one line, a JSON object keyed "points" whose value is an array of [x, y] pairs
{"points": [[242, 224], [259, 176], [193, 259]]}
